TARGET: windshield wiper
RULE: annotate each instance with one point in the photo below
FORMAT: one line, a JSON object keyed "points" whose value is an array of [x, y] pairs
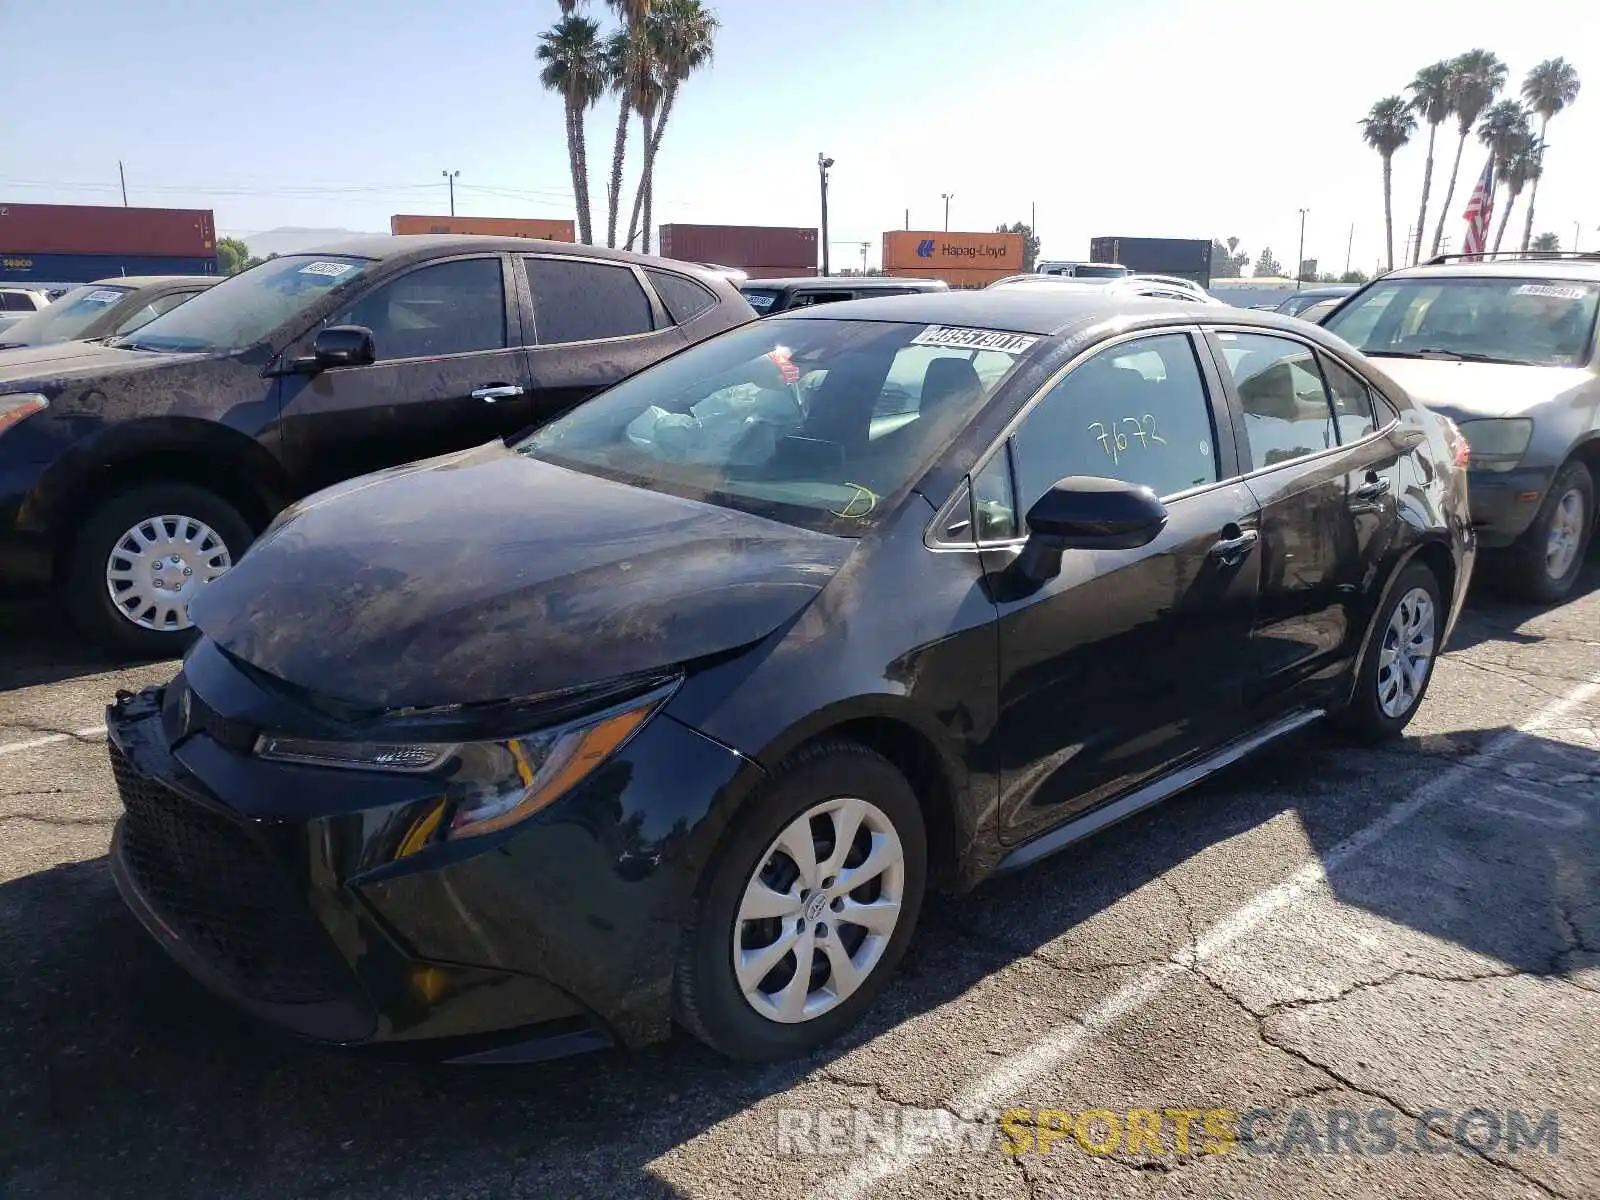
{"points": [[1443, 355]]}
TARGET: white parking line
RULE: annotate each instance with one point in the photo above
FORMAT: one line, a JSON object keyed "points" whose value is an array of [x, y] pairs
{"points": [[51, 739], [1051, 1052]]}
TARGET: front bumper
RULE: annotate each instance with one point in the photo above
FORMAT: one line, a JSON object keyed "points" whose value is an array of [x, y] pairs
{"points": [[278, 887], [1504, 504]]}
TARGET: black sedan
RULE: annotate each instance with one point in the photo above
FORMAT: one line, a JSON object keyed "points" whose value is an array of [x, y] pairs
{"points": [[672, 710], [105, 308]]}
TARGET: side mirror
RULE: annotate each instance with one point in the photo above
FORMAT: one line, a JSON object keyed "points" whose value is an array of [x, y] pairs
{"points": [[342, 346], [1086, 512]]}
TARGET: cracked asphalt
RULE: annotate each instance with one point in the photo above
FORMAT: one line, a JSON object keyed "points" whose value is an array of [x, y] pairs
{"points": [[1317, 936]]}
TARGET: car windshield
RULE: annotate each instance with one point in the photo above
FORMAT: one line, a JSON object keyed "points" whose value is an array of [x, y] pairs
{"points": [[823, 424], [761, 299], [240, 312], [1545, 322], [67, 318]]}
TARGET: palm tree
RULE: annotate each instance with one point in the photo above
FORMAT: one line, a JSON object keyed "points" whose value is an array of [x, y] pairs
{"points": [[1549, 88], [1433, 102], [1476, 79], [1522, 167], [575, 66], [684, 33], [629, 63], [1504, 129], [1387, 126]]}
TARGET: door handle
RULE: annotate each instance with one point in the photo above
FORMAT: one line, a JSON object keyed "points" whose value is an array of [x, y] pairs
{"points": [[1375, 486], [1232, 551], [498, 391]]}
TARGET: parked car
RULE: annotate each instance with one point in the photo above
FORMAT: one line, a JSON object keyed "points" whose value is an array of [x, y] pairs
{"points": [[105, 308], [672, 710], [1296, 305], [136, 471], [1156, 287], [1081, 270], [1506, 347], [1319, 311], [22, 300], [770, 296]]}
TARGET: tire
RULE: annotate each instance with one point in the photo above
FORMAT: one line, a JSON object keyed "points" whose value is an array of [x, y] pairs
{"points": [[1387, 697], [1523, 570], [87, 577], [710, 1000]]}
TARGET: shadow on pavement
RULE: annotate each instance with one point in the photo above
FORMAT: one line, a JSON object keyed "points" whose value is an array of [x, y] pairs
{"points": [[39, 646]]}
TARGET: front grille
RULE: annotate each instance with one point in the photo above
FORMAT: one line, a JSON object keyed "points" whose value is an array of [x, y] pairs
{"points": [[212, 883]]}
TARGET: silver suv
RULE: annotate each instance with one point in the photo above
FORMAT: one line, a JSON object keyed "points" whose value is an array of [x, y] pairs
{"points": [[1505, 345]]}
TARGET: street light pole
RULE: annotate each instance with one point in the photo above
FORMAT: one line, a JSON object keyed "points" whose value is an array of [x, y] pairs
{"points": [[946, 197], [823, 163], [1300, 255], [450, 178]]}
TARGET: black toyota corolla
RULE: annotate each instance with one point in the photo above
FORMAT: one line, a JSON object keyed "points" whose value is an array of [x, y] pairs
{"points": [[671, 711]]}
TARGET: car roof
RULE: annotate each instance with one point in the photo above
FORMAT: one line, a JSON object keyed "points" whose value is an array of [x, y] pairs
{"points": [[1581, 266], [1043, 311], [405, 247], [144, 281], [844, 282]]}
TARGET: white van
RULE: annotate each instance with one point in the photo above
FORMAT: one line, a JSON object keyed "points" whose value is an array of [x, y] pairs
{"points": [[1081, 270]]}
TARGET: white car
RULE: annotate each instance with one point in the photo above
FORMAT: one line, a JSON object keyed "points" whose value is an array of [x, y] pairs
{"points": [[1160, 287]]}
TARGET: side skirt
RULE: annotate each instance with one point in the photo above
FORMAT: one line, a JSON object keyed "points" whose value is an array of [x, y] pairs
{"points": [[1153, 793]]}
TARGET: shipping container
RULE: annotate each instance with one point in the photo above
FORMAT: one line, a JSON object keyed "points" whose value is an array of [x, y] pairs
{"points": [[1189, 258], [107, 229], [742, 246], [17, 267], [956, 277], [985, 251], [524, 227]]}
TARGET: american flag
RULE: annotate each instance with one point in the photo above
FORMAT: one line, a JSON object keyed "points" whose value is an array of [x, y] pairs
{"points": [[1480, 207]]}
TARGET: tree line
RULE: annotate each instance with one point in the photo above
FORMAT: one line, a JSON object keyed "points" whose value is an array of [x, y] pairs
{"points": [[1466, 88], [644, 62]]}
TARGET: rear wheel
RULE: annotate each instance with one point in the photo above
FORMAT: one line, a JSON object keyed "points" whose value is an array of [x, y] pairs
{"points": [[140, 558], [1545, 562], [807, 909], [1398, 662]]}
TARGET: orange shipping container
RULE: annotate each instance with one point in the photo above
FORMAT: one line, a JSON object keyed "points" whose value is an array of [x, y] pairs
{"points": [[526, 227], [988, 251], [956, 277]]}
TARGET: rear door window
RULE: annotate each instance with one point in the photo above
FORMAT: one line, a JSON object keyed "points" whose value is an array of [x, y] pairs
{"points": [[578, 301], [1353, 410], [683, 298], [1287, 414]]}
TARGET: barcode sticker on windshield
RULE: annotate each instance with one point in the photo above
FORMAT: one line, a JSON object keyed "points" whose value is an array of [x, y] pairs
{"points": [[1554, 291], [974, 339], [103, 296], [325, 268]]}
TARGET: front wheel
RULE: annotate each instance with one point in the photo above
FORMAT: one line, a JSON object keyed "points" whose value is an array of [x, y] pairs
{"points": [[1545, 562], [808, 908], [139, 559], [1398, 661]]}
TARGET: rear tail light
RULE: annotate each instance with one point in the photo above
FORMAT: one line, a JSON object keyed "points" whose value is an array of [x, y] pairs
{"points": [[1460, 452]]}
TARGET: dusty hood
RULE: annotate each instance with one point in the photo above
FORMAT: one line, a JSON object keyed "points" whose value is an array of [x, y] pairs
{"points": [[1469, 389], [66, 361], [486, 575]]}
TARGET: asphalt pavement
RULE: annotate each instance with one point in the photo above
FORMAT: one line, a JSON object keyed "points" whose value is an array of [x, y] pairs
{"points": [[1328, 972]]}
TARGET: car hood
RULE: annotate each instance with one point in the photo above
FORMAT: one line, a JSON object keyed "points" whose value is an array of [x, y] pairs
{"points": [[65, 362], [1467, 389], [486, 576]]}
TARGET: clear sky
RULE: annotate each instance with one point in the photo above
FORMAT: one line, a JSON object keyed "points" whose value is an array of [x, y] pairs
{"points": [[1131, 117]]}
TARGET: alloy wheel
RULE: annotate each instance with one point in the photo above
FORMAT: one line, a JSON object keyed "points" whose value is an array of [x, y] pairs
{"points": [[819, 910], [157, 566], [1407, 653], [1566, 535]]}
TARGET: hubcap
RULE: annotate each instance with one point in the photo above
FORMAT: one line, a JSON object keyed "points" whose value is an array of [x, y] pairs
{"points": [[1407, 654], [819, 910], [1566, 535], [156, 567]]}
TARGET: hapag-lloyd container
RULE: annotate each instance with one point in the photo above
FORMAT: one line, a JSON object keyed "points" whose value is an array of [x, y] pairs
{"points": [[930, 252]]}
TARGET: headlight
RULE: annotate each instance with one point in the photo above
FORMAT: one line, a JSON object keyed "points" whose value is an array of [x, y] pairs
{"points": [[485, 786], [15, 407], [1499, 444]]}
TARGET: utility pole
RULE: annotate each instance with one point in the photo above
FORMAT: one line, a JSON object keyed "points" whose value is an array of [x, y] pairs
{"points": [[864, 247], [1300, 255], [946, 197], [122, 175], [450, 178], [908, 218], [823, 163], [1349, 246], [1577, 228]]}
